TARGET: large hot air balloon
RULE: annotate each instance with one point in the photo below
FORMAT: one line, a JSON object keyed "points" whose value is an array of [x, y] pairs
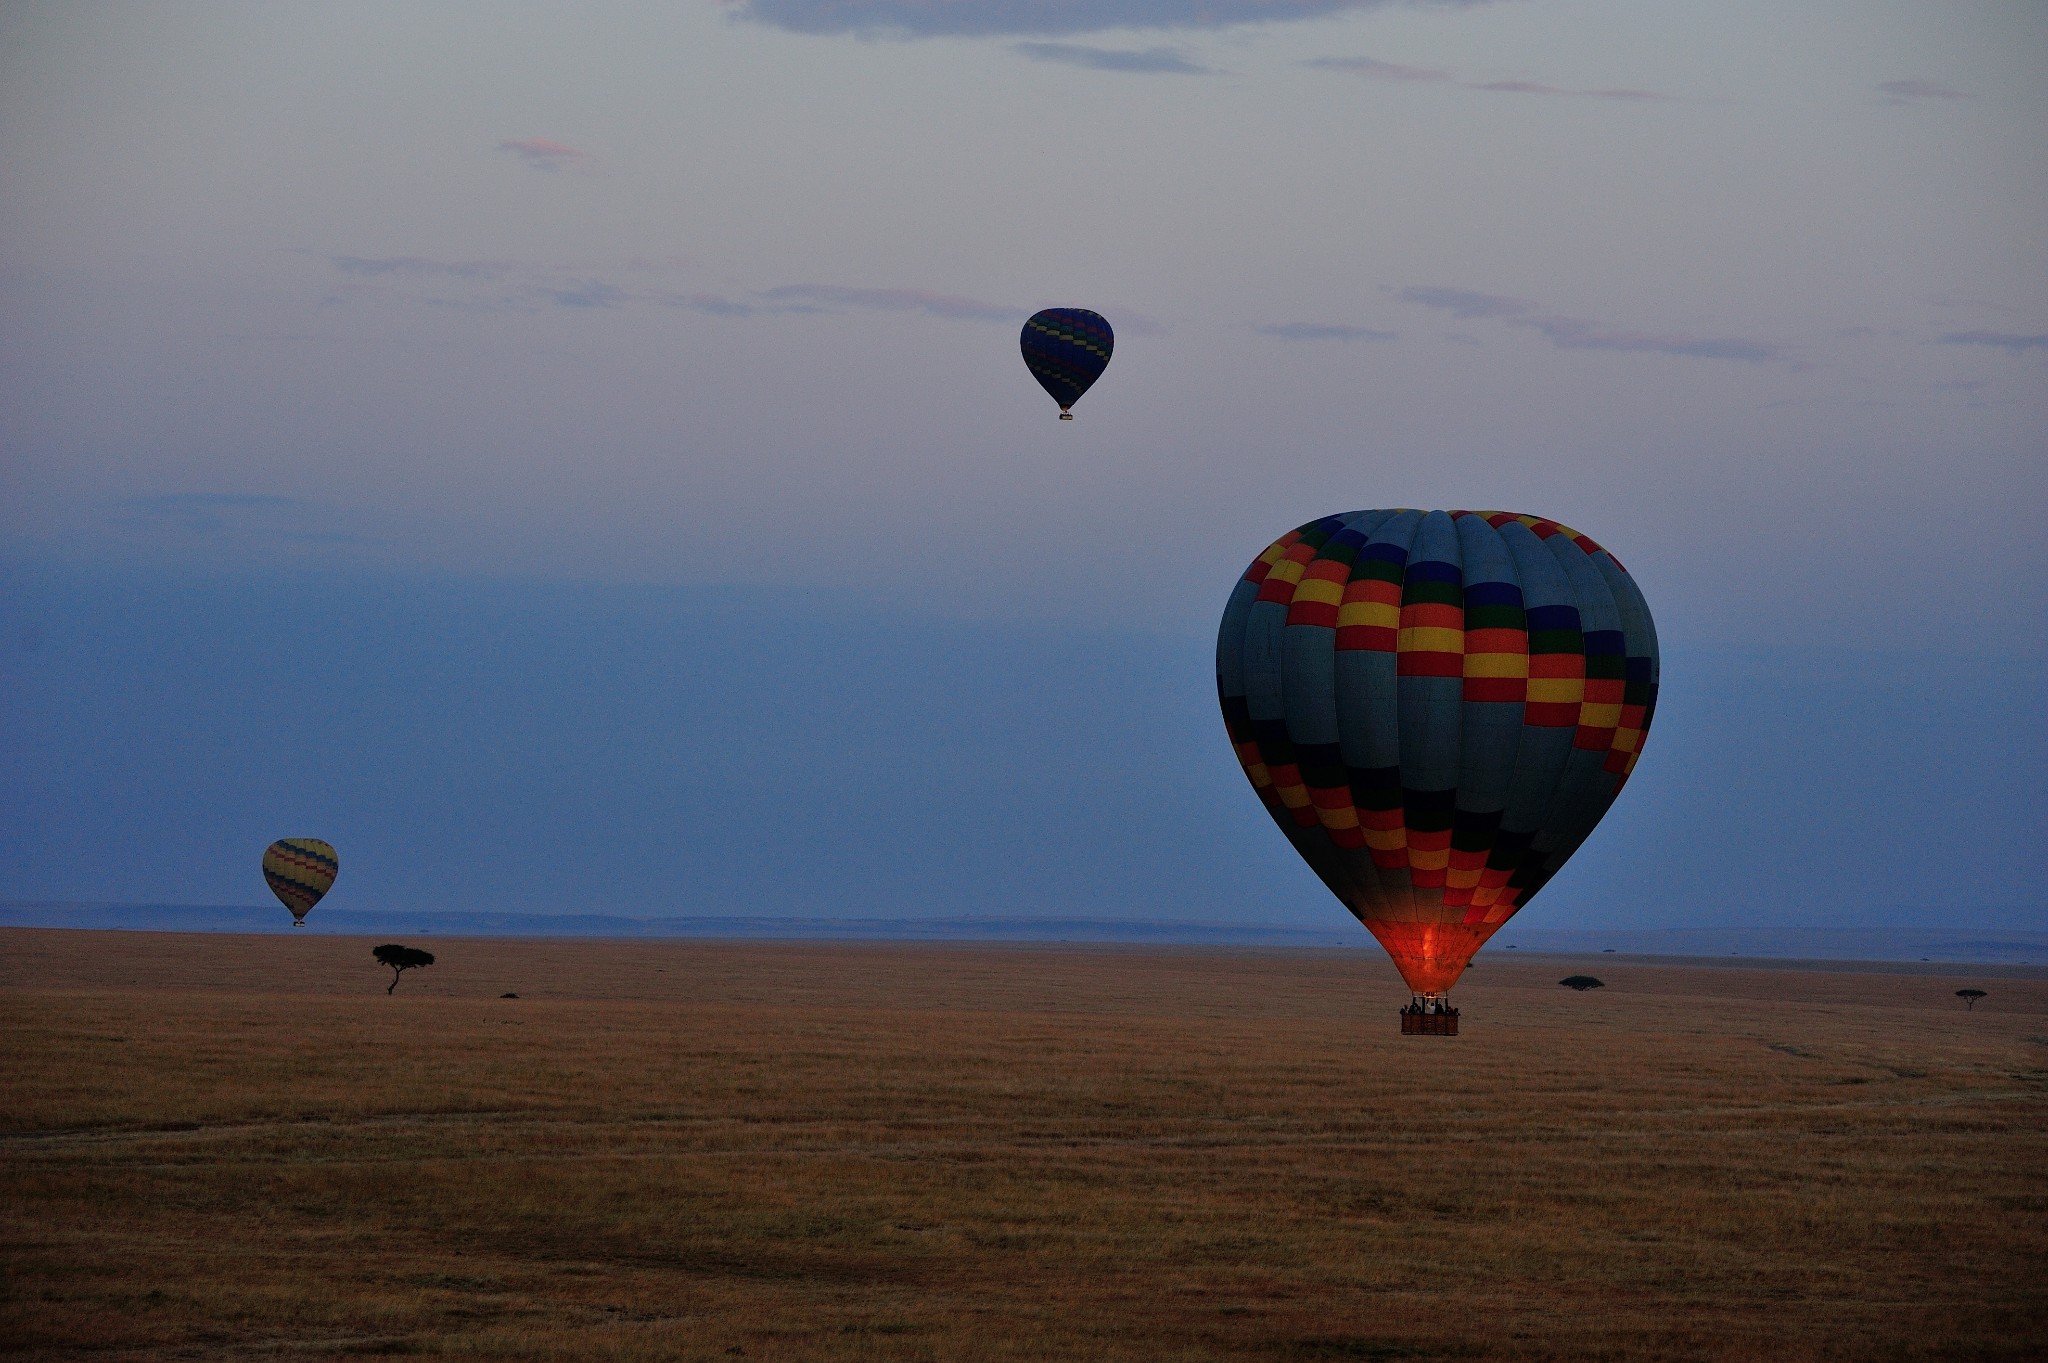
{"points": [[1066, 350], [1436, 707], [299, 871]]}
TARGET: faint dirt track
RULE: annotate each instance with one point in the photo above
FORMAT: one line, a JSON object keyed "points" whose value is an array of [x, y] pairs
{"points": [[240, 1147]]}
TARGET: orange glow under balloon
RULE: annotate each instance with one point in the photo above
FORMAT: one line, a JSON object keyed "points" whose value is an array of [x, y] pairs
{"points": [[1431, 956]]}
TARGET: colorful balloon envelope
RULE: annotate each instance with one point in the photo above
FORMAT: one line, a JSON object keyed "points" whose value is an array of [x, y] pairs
{"points": [[299, 871], [1436, 707], [1066, 350]]}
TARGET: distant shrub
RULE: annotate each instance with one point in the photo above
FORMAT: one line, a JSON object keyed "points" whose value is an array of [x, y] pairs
{"points": [[401, 959], [1581, 983], [1969, 998]]}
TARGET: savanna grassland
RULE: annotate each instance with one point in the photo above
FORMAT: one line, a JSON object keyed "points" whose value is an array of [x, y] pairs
{"points": [[241, 1147]]}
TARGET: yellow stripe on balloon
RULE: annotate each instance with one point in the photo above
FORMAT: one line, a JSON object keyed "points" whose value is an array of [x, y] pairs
{"points": [[1383, 614], [1431, 639], [1321, 589], [1496, 664], [1287, 570], [1557, 690]]}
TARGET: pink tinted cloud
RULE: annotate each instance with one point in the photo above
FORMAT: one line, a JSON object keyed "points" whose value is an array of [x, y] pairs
{"points": [[1370, 68], [545, 154], [837, 296], [1913, 91], [1529, 87], [1573, 333], [1041, 18], [1570, 333], [2001, 340]]}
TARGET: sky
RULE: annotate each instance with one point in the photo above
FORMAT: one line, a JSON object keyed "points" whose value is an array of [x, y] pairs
{"points": [[577, 458]]}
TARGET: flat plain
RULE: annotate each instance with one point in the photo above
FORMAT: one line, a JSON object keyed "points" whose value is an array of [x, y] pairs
{"points": [[242, 1147]]}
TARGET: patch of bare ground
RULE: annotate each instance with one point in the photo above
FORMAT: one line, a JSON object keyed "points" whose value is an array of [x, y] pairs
{"points": [[217, 1147]]}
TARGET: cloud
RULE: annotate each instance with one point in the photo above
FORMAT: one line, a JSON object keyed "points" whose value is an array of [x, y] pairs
{"points": [[368, 267], [205, 513], [1155, 59], [834, 297], [540, 153], [1044, 18], [209, 501], [506, 286], [1131, 323], [1572, 333], [329, 537], [250, 519], [1371, 68], [1914, 91], [1525, 87], [591, 293], [717, 305], [1324, 331], [1463, 303], [2002, 340]]}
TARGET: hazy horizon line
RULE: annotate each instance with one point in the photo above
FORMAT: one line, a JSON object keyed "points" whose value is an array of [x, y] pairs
{"points": [[1962, 944]]}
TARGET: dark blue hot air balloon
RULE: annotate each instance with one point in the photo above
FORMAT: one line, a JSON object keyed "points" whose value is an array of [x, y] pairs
{"points": [[1437, 708], [1066, 350]]}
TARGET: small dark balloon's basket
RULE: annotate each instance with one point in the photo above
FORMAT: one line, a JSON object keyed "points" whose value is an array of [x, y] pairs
{"points": [[1429, 1024]]}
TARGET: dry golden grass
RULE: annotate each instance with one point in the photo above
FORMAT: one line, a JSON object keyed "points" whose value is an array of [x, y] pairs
{"points": [[233, 1147]]}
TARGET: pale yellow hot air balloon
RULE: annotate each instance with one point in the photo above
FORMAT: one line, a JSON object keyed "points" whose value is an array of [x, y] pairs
{"points": [[299, 871]]}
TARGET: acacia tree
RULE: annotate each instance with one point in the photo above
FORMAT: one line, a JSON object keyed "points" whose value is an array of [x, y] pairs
{"points": [[1581, 983], [1969, 998], [401, 959]]}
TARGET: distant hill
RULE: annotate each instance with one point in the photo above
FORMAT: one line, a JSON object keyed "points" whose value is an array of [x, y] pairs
{"points": [[2011, 948], [366, 922], [1899, 944]]}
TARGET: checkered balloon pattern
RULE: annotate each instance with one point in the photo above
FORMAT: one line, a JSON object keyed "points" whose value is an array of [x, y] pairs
{"points": [[1436, 707], [1066, 350], [299, 871]]}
